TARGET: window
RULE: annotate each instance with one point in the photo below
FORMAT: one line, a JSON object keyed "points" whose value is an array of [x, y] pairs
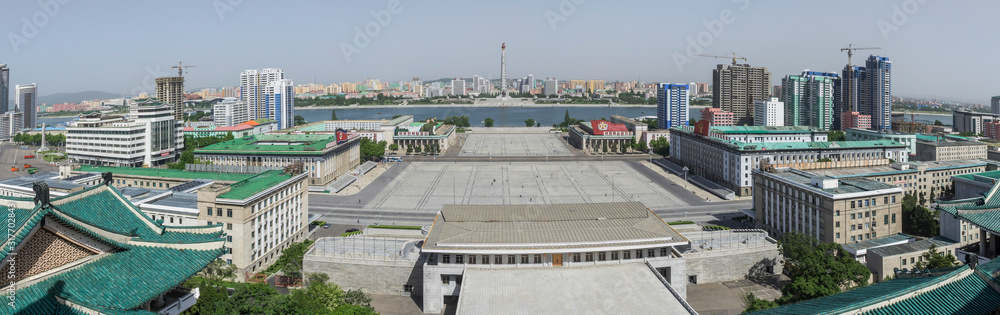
{"points": [[664, 252], [614, 255], [873, 235], [538, 258], [852, 216], [229, 238], [911, 260], [219, 213], [837, 213], [853, 239], [638, 253], [510, 259], [209, 210], [852, 227], [852, 206], [446, 279], [446, 259], [229, 226], [626, 254], [651, 253], [589, 256], [229, 213], [524, 259], [171, 219], [837, 224], [460, 259], [498, 259], [867, 214], [893, 199], [602, 256], [893, 218], [576, 257], [486, 259], [867, 203], [838, 235], [904, 261], [472, 259]]}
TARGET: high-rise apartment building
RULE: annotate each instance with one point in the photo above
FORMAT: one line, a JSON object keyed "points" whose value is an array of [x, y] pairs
{"points": [[230, 112], [170, 90], [253, 82], [995, 105], [735, 88], [717, 117], [855, 120], [671, 105], [769, 113], [279, 102], [808, 99], [877, 92], [25, 103], [868, 90], [594, 85], [4, 88], [550, 87], [531, 81], [458, 86]]}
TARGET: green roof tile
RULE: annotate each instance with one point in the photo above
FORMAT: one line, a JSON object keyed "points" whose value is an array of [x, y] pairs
{"points": [[165, 172], [312, 144], [256, 184]]}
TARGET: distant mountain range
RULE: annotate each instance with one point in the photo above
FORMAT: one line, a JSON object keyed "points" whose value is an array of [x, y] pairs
{"points": [[77, 97]]}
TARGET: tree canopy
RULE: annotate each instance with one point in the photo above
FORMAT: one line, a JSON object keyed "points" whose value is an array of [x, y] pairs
{"points": [[660, 146], [371, 150], [933, 259], [918, 220], [836, 135], [488, 122], [817, 269]]}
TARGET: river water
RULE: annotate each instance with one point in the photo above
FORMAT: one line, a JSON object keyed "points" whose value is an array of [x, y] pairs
{"points": [[502, 116]]}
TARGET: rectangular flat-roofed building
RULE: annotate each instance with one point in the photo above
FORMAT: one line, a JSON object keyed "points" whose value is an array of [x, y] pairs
{"points": [[846, 210], [557, 242], [323, 157]]}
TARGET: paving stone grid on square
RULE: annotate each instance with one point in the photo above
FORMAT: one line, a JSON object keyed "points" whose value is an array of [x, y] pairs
{"points": [[513, 145], [427, 186]]}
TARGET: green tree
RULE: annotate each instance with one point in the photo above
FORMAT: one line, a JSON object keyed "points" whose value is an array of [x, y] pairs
{"points": [[530, 122], [938, 123], [417, 149], [605, 146], [333, 114], [229, 136], [394, 147], [210, 295], [918, 220], [836, 135], [692, 122], [660, 146], [299, 120], [933, 259], [218, 271], [624, 148], [538, 124], [488, 122], [409, 149], [817, 269], [371, 150], [752, 304]]}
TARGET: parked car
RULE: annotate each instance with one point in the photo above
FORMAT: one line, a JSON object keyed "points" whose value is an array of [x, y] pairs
{"points": [[351, 230], [326, 226]]}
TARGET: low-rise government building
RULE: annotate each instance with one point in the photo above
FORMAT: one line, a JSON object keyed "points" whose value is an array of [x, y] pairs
{"points": [[324, 156], [727, 155]]}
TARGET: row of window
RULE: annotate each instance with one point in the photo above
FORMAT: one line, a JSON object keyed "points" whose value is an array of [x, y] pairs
{"points": [[537, 258]]}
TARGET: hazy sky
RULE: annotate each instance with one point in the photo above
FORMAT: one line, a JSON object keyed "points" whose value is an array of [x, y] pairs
{"points": [[939, 48]]}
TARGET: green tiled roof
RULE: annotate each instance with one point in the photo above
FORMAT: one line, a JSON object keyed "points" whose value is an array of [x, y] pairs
{"points": [[814, 145], [969, 295], [124, 278], [119, 281], [990, 174], [763, 129], [106, 211], [860, 297], [256, 184], [166, 172], [312, 144]]}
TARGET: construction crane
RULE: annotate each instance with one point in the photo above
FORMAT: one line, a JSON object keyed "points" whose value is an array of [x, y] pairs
{"points": [[733, 57], [852, 99], [180, 68], [850, 51]]}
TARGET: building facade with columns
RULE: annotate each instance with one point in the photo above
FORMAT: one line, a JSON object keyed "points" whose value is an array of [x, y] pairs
{"points": [[323, 156]]}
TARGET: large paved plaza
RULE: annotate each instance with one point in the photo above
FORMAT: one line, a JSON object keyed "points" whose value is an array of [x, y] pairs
{"points": [[514, 145], [426, 186]]}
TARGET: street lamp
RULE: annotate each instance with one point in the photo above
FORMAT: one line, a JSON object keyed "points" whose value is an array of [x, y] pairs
{"points": [[685, 169]]}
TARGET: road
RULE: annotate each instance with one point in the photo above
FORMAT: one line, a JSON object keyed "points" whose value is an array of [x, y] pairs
{"points": [[351, 209]]}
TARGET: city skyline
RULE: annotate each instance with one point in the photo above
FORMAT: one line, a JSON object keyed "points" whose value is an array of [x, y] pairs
{"points": [[325, 49]]}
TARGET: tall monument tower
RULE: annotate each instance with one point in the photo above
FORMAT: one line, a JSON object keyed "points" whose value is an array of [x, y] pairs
{"points": [[503, 71]]}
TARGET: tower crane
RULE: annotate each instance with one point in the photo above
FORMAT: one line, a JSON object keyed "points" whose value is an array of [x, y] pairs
{"points": [[733, 57], [180, 68], [850, 51]]}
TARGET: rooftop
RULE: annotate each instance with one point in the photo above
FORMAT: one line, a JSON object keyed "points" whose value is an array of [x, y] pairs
{"points": [[253, 185], [953, 143], [166, 172], [744, 146], [558, 226], [856, 248], [844, 185], [764, 129], [911, 247], [302, 144], [604, 289], [889, 169]]}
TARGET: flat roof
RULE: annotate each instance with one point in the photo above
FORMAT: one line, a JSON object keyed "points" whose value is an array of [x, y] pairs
{"points": [[912, 247], [844, 185], [251, 186], [179, 200], [312, 144], [989, 174], [764, 129], [558, 226], [888, 169], [746, 146], [953, 143], [603, 289], [166, 172], [878, 242]]}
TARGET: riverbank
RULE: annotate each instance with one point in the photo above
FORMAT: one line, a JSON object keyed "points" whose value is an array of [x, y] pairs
{"points": [[497, 105]]}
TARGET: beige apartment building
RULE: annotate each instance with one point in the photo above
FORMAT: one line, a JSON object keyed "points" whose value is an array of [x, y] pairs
{"points": [[950, 150], [848, 210]]}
